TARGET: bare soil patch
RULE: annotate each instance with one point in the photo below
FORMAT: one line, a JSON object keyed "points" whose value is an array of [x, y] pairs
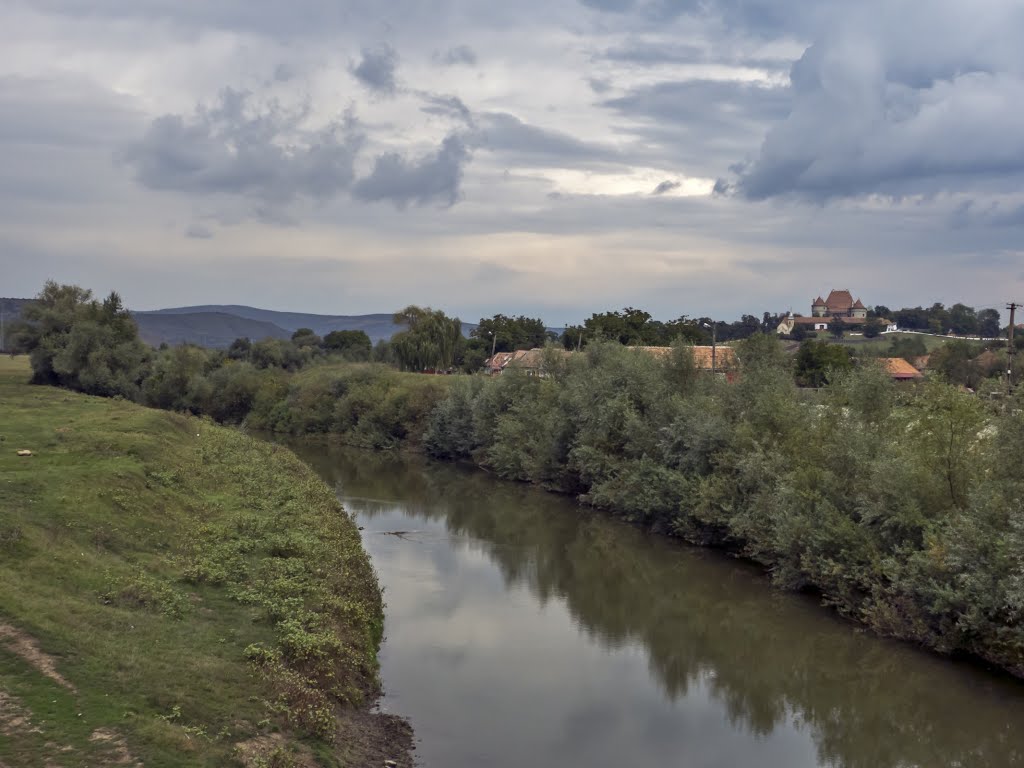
{"points": [[260, 750], [375, 739], [115, 747], [27, 649]]}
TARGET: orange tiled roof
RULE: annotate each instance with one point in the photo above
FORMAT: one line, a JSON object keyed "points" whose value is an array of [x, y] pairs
{"points": [[725, 357], [900, 369]]}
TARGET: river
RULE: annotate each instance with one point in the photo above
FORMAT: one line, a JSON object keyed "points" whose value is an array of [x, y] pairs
{"points": [[524, 630]]}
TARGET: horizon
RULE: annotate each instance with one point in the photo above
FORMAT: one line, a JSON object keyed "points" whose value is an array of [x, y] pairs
{"points": [[548, 324]]}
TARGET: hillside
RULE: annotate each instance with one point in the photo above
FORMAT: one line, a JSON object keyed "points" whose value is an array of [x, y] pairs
{"points": [[377, 326], [208, 329], [176, 595]]}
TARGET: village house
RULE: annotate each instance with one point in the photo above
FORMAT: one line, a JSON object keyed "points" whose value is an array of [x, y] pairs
{"points": [[531, 361], [900, 370], [839, 306]]}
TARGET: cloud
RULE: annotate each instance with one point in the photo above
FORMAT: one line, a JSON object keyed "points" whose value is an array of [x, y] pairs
{"points": [[900, 99], [236, 148], [666, 186], [434, 178], [447, 106], [199, 232], [521, 142], [376, 70], [701, 125], [459, 54]]}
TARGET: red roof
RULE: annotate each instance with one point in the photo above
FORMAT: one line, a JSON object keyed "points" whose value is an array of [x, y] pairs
{"points": [[839, 301], [818, 302], [900, 369], [725, 357], [857, 305]]}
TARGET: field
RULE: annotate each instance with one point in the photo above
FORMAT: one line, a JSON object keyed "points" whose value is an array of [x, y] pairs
{"points": [[879, 345], [174, 593]]}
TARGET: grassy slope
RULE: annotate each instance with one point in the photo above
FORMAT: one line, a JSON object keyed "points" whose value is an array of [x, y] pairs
{"points": [[149, 554]]}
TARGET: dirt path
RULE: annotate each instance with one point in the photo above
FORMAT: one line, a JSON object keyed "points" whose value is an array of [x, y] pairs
{"points": [[23, 646]]}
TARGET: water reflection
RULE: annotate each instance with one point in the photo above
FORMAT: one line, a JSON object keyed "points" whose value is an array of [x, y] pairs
{"points": [[524, 630]]}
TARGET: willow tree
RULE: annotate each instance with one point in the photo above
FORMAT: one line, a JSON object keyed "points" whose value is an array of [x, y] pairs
{"points": [[430, 338]]}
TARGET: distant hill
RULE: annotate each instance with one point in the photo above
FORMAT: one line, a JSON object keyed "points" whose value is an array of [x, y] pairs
{"points": [[217, 325], [208, 329], [376, 326]]}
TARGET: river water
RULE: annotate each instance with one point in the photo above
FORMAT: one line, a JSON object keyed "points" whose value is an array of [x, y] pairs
{"points": [[526, 631]]}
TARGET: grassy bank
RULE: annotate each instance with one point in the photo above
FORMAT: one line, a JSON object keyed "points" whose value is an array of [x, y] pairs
{"points": [[173, 593]]}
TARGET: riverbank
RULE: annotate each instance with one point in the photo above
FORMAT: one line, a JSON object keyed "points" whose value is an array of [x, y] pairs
{"points": [[174, 593]]}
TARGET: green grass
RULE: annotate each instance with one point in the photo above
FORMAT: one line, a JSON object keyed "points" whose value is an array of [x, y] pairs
{"points": [[880, 344], [197, 588]]}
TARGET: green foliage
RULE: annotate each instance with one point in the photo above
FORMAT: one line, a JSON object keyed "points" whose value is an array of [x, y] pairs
{"points": [[77, 342], [836, 327], [510, 333], [956, 362], [352, 345], [907, 347], [887, 501], [430, 340], [816, 361]]}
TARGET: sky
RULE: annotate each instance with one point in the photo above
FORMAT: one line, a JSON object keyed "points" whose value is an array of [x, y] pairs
{"points": [[547, 157]]}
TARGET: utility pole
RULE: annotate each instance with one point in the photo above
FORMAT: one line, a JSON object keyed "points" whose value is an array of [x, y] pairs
{"points": [[3, 337], [714, 344], [494, 343], [1009, 349]]}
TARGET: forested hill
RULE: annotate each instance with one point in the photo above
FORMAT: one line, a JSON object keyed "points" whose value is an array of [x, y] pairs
{"points": [[207, 329], [377, 326]]}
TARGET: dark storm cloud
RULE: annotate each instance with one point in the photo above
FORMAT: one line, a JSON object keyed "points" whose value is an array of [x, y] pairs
{"points": [[666, 186], [234, 149], [459, 54], [376, 70], [901, 99], [436, 178]]}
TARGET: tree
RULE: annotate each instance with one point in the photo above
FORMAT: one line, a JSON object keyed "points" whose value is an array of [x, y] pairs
{"points": [[872, 329], [511, 333], [907, 347], [988, 323], [800, 332], [305, 337], [955, 361], [836, 327], [816, 360], [430, 340], [354, 345], [77, 342], [240, 349], [963, 319]]}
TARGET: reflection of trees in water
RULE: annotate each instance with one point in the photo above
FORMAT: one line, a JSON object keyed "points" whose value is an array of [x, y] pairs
{"points": [[766, 656]]}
